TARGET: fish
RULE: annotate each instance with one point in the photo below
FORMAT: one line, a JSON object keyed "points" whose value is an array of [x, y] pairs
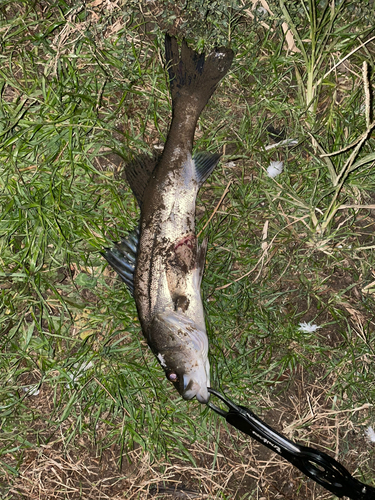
{"points": [[161, 261]]}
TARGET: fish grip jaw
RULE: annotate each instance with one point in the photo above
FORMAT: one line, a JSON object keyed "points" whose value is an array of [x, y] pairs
{"points": [[315, 464]]}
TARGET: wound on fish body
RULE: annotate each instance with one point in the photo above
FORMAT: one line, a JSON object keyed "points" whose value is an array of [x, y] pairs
{"points": [[162, 262]]}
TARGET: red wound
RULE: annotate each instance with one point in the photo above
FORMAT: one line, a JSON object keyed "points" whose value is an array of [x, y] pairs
{"points": [[185, 251], [188, 241]]}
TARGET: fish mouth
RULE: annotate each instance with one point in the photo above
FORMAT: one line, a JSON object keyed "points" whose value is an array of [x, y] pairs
{"points": [[196, 384], [191, 385], [192, 389]]}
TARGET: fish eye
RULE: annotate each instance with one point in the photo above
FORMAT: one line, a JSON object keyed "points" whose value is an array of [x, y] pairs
{"points": [[172, 376]]}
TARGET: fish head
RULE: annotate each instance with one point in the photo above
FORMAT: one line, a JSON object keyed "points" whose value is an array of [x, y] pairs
{"points": [[181, 348]]}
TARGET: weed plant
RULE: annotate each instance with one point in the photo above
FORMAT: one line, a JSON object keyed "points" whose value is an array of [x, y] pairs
{"points": [[83, 90]]}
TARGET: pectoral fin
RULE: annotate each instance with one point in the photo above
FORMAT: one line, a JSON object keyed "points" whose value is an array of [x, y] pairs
{"points": [[204, 165], [201, 259]]}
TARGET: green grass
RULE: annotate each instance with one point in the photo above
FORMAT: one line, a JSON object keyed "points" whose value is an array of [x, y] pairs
{"points": [[82, 91]]}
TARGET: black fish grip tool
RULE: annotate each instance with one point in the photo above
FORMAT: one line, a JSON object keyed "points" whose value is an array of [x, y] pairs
{"points": [[315, 464]]}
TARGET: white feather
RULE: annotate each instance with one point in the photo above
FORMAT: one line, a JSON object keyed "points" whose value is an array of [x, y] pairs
{"points": [[370, 434], [308, 327], [275, 168]]}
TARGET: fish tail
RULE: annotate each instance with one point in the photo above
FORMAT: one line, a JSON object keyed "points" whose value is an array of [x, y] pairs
{"points": [[194, 77]]}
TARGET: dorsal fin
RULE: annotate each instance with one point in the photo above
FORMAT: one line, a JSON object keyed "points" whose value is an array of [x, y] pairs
{"points": [[138, 173], [123, 258]]}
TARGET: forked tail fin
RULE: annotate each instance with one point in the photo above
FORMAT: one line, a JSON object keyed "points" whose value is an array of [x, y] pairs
{"points": [[194, 77]]}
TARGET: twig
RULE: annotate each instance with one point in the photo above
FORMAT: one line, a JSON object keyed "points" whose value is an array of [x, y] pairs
{"points": [[366, 85], [110, 395], [261, 258], [369, 125], [346, 148], [344, 59], [286, 142], [216, 208], [342, 207]]}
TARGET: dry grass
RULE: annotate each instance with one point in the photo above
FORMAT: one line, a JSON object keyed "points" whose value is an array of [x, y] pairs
{"points": [[231, 465]]}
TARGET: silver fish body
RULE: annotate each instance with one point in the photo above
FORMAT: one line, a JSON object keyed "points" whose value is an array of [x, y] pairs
{"points": [[166, 273], [167, 284]]}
